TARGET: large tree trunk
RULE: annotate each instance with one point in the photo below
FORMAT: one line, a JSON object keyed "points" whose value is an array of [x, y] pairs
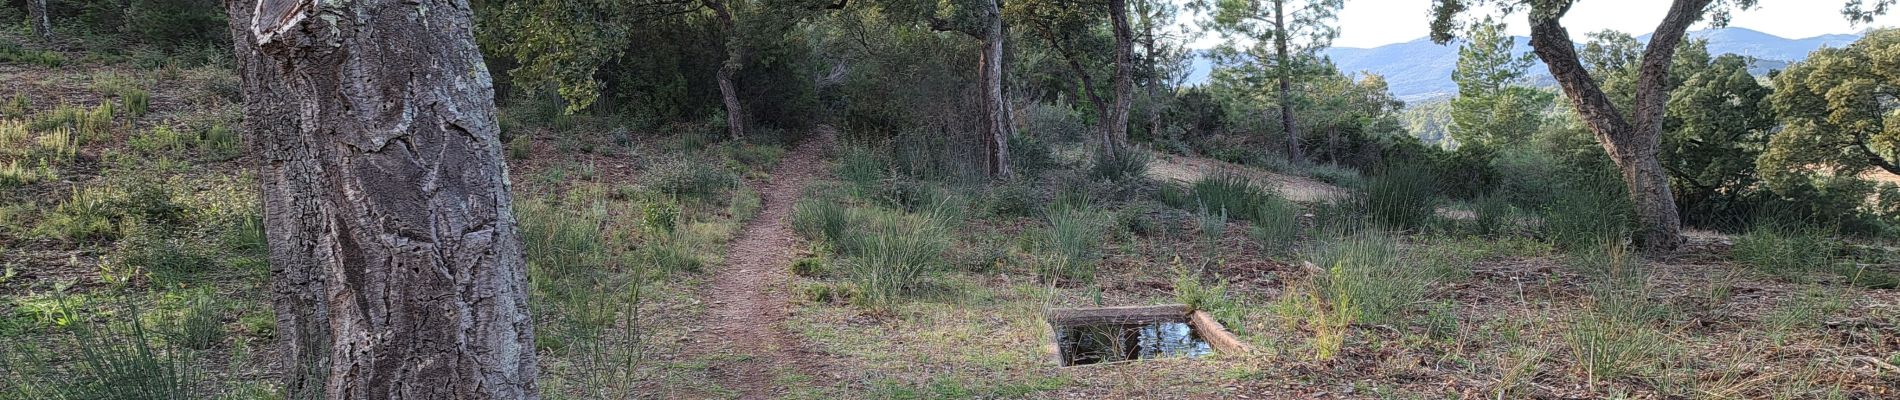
{"points": [[1632, 146], [735, 59], [995, 123], [42, 25], [1285, 72], [397, 270], [1151, 61], [1117, 118]]}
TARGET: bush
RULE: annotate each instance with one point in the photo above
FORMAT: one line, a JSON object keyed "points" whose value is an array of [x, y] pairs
{"points": [[821, 219], [1057, 122], [1012, 199], [1336, 175], [89, 214], [1076, 237], [1366, 270], [892, 254], [1119, 166], [1029, 155], [1787, 252], [863, 169], [687, 179], [137, 101], [1588, 211], [117, 360], [1401, 197]]}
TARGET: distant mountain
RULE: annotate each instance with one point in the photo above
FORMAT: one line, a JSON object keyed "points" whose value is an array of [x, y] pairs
{"points": [[1421, 70]]}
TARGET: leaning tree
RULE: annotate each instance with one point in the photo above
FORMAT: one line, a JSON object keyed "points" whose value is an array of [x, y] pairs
{"points": [[1632, 135], [397, 269]]}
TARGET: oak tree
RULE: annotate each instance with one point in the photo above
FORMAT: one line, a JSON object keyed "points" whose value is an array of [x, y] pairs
{"points": [[397, 270]]}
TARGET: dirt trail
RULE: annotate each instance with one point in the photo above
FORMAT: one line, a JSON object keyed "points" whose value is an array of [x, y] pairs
{"points": [[749, 294], [1167, 167]]}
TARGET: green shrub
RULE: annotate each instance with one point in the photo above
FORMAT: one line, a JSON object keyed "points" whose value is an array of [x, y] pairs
{"points": [[1586, 212], [201, 324], [88, 214], [1787, 252], [137, 101], [821, 219], [13, 173], [520, 147], [688, 179], [116, 360], [11, 53], [892, 255], [1223, 192], [660, 216], [1366, 270], [1401, 197], [160, 140], [863, 169], [1119, 166], [220, 143], [17, 107], [1076, 236], [1012, 199], [1028, 155], [808, 267]]}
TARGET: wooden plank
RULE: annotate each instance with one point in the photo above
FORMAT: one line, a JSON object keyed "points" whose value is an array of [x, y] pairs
{"points": [[1060, 317], [1216, 335]]}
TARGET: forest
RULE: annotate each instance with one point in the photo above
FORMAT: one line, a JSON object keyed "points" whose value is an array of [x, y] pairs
{"points": [[905, 199]]}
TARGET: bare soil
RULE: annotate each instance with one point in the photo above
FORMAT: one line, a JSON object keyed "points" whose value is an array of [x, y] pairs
{"points": [[749, 295], [1174, 168]]}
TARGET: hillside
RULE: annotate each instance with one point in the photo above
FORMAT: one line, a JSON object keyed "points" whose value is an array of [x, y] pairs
{"points": [[1419, 69]]}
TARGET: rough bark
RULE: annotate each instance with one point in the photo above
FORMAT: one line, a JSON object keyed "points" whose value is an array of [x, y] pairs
{"points": [[735, 59], [1117, 117], [1150, 59], [42, 25], [396, 267], [1632, 145], [1284, 73], [996, 125]]}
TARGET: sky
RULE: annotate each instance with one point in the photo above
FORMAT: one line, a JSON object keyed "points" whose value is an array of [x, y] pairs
{"points": [[1372, 23]]}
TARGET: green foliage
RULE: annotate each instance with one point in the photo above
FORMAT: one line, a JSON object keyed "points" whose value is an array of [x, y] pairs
{"points": [[1401, 197], [1586, 212], [1608, 347], [1076, 236], [1012, 199], [821, 219], [694, 180], [220, 143], [117, 360], [1366, 271], [161, 140], [12, 53], [88, 214], [16, 107], [1836, 113], [201, 324], [1119, 166], [1714, 130], [1492, 109], [137, 101], [891, 254], [1786, 250]]}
